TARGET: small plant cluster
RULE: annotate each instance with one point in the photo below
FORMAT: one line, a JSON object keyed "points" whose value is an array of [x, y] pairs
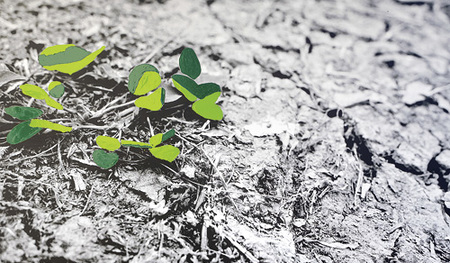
{"points": [[142, 80]]}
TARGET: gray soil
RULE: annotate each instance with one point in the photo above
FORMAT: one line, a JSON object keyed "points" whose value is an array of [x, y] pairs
{"points": [[335, 145]]}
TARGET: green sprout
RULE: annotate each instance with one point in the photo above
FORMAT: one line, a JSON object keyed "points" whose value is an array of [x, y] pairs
{"points": [[107, 160], [63, 58], [142, 80], [31, 126], [207, 93]]}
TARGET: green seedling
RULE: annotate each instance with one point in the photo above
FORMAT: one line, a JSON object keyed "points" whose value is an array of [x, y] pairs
{"points": [[31, 126], [143, 79], [40, 94], [203, 95], [67, 58], [107, 160]]}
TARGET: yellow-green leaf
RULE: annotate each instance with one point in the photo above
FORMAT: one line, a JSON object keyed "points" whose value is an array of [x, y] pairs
{"points": [[67, 58], [34, 91], [128, 143], [143, 79], [153, 102], [165, 152], [53, 103], [55, 49], [156, 139], [207, 107], [40, 94], [185, 85], [108, 143], [49, 125], [149, 81]]}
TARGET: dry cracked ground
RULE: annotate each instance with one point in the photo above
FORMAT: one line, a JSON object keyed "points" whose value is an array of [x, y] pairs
{"points": [[335, 145]]}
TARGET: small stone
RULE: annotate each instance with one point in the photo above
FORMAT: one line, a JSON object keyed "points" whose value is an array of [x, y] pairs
{"points": [[443, 159], [446, 200]]}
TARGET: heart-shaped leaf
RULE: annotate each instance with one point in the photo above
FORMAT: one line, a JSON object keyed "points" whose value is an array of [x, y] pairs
{"points": [[105, 160], [159, 138], [207, 107], [67, 58], [143, 79], [185, 85], [153, 102], [189, 63], [108, 143], [23, 113], [206, 89], [56, 89], [191, 90], [165, 152], [36, 123], [21, 132]]}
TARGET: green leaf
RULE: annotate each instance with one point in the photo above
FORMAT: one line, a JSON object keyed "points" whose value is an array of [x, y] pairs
{"points": [[191, 90], [167, 135], [143, 79], [53, 103], [56, 89], [189, 63], [67, 58], [155, 140], [207, 107], [108, 143], [135, 144], [34, 91], [206, 89], [185, 85], [153, 102], [40, 94], [166, 152], [159, 138], [105, 160], [23, 113], [36, 123], [21, 132]]}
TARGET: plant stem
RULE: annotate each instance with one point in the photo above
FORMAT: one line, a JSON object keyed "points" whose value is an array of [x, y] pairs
{"points": [[105, 110], [94, 127]]}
